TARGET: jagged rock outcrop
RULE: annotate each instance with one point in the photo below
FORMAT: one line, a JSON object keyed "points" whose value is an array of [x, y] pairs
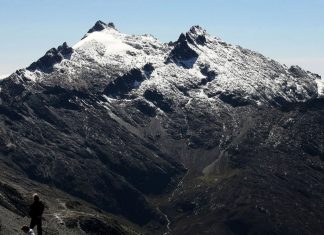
{"points": [[99, 26], [52, 57]]}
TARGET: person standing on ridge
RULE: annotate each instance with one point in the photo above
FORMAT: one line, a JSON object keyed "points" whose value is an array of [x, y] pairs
{"points": [[35, 212]]}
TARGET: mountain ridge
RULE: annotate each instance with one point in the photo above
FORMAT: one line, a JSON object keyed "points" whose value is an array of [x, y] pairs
{"points": [[195, 135], [107, 43]]}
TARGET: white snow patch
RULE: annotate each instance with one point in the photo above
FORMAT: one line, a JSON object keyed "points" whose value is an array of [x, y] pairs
{"points": [[109, 38], [320, 87], [115, 49], [30, 75], [3, 76], [109, 100], [201, 94]]}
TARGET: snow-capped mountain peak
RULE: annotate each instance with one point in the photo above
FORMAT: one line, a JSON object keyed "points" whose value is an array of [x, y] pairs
{"points": [[196, 29], [108, 38], [203, 65], [99, 26], [198, 34]]}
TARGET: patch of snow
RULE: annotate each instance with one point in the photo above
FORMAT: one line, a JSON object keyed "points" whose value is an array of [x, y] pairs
{"points": [[3, 76], [200, 94], [109, 100], [30, 75], [320, 87], [109, 38]]}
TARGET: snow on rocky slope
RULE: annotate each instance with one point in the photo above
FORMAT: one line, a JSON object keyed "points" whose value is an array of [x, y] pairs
{"points": [[4, 76], [206, 66], [320, 86]]}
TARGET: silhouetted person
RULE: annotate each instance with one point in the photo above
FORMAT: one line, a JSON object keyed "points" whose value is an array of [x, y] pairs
{"points": [[35, 212], [27, 230]]}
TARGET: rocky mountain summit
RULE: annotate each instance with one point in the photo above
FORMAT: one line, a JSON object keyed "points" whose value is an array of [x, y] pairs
{"points": [[123, 134]]}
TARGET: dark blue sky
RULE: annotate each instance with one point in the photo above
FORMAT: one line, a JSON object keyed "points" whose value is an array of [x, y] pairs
{"points": [[291, 31]]}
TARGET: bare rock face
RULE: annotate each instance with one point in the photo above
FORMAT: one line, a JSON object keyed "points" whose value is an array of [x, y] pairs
{"points": [[52, 57], [99, 26], [182, 53], [125, 83], [196, 136]]}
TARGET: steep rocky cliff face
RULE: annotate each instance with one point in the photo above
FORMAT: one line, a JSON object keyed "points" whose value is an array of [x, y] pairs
{"points": [[196, 136]]}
